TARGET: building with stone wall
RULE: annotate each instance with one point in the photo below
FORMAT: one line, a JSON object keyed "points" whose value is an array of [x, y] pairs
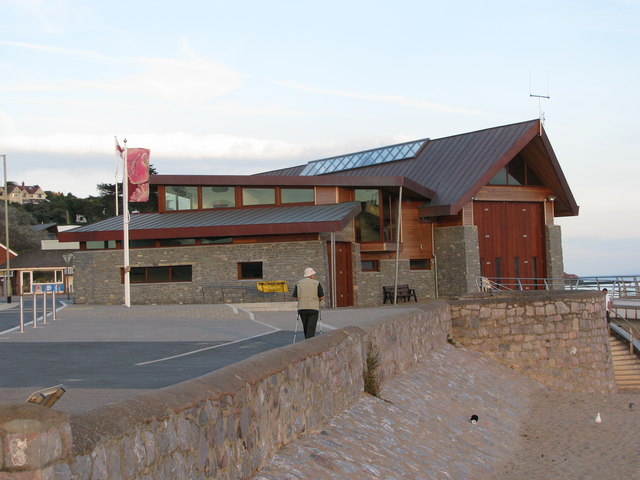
{"points": [[436, 215]]}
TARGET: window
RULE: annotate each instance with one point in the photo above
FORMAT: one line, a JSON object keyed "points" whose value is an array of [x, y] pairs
{"points": [[177, 242], [180, 198], [368, 220], [517, 172], [174, 273], [249, 270], [420, 264], [100, 244], [218, 197], [258, 196], [370, 266], [145, 243], [296, 195], [215, 240]]}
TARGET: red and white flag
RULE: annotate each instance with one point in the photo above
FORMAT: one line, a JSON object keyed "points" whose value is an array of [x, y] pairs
{"points": [[138, 174]]}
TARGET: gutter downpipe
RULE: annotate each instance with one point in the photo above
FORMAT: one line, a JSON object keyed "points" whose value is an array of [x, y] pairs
{"points": [[334, 294], [395, 285], [435, 258]]}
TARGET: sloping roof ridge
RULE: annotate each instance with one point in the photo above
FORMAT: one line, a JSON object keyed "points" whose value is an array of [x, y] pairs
{"points": [[499, 127]]}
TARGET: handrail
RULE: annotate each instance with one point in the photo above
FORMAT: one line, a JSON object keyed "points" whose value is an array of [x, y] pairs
{"points": [[619, 286], [626, 330]]}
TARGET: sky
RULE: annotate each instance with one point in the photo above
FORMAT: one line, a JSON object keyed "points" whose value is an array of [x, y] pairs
{"points": [[220, 87]]}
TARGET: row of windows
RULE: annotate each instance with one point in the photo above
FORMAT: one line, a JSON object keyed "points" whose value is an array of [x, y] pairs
{"points": [[163, 242], [414, 264], [178, 197], [246, 271]]}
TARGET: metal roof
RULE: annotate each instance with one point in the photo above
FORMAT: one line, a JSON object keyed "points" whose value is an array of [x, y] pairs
{"points": [[456, 167], [221, 222]]}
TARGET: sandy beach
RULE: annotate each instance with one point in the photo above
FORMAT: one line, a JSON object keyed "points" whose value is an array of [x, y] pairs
{"points": [[561, 440]]}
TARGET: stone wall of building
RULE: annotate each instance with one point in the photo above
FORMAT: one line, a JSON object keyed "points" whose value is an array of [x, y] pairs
{"points": [[97, 273], [458, 260], [557, 338], [370, 283], [553, 251], [224, 424]]}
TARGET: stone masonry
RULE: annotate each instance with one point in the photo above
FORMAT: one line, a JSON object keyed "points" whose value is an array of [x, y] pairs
{"points": [[458, 259], [223, 425], [97, 276], [559, 339]]}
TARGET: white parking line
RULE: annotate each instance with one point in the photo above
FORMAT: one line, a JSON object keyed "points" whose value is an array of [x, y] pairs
{"points": [[273, 330]]}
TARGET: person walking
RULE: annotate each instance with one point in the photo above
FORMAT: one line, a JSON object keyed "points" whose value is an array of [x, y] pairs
{"points": [[309, 293]]}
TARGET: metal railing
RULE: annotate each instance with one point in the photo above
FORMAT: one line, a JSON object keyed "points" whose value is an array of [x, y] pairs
{"points": [[619, 286], [626, 330], [244, 291]]}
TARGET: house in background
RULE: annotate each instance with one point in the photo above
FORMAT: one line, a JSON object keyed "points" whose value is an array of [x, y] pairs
{"points": [[23, 194], [434, 214]]}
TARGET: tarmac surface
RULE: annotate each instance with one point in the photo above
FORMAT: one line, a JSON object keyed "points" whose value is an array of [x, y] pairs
{"points": [[104, 354]]}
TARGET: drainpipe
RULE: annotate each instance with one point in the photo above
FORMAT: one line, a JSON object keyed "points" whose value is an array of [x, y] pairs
{"points": [[395, 285], [435, 258], [334, 294]]}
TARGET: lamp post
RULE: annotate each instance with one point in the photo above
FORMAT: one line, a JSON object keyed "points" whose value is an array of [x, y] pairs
{"points": [[67, 285], [7, 278]]}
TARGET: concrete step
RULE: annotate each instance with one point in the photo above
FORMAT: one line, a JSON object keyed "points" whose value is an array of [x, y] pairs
{"points": [[626, 366]]}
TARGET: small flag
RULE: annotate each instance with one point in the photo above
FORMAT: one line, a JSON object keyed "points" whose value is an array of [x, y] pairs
{"points": [[138, 174], [119, 149]]}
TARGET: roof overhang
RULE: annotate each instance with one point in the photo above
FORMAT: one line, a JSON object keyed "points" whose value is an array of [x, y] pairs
{"points": [[221, 223], [556, 181], [388, 182]]}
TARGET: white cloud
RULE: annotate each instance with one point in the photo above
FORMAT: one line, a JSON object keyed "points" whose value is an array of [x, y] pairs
{"points": [[386, 98]]}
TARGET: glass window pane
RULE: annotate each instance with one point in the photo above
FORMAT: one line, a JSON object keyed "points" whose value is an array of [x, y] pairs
{"points": [[368, 220], [142, 243], [500, 178], [249, 270], [296, 195], [258, 196], [419, 264], [218, 197], [181, 273], [44, 276], [158, 274], [181, 198], [173, 242], [516, 172], [137, 275], [96, 244], [214, 240]]}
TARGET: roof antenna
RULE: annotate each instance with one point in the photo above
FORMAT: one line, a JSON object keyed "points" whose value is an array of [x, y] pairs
{"points": [[540, 97]]}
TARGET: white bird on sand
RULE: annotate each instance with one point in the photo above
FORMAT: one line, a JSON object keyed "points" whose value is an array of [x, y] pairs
{"points": [[598, 419]]}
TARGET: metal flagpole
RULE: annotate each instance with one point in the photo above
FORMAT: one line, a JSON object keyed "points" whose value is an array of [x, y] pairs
{"points": [[118, 156], [7, 278], [125, 228]]}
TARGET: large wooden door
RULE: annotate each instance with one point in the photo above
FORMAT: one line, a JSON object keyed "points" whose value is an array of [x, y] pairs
{"points": [[511, 239], [344, 274]]}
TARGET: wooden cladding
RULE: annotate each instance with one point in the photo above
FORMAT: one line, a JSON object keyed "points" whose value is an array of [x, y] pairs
{"points": [[511, 239]]}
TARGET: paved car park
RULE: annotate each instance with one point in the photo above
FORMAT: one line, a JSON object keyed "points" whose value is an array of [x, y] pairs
{"points": [[102, 354]]}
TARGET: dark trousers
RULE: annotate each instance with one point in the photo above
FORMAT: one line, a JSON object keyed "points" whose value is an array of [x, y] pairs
{"points": [[309, 321]]}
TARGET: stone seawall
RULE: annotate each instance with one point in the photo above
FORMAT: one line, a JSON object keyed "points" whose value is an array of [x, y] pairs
{"points": [[224, 424], [557, 338]]}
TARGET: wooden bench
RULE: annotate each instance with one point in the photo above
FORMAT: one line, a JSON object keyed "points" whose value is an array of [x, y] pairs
{"points": [[404, 292]]}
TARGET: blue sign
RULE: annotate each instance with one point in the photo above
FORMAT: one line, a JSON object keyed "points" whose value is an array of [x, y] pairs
{"points": [[47, 288]]}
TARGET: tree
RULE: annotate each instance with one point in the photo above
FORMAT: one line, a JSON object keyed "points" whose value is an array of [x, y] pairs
{"points": [[21, 238]]}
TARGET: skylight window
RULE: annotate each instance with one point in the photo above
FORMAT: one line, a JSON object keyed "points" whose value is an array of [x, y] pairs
{"points": [[364, 159]]}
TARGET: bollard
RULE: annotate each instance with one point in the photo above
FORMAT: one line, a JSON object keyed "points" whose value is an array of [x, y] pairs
{"points": [[35, 318], [21, 315], [53, 305], [44, 308]]}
